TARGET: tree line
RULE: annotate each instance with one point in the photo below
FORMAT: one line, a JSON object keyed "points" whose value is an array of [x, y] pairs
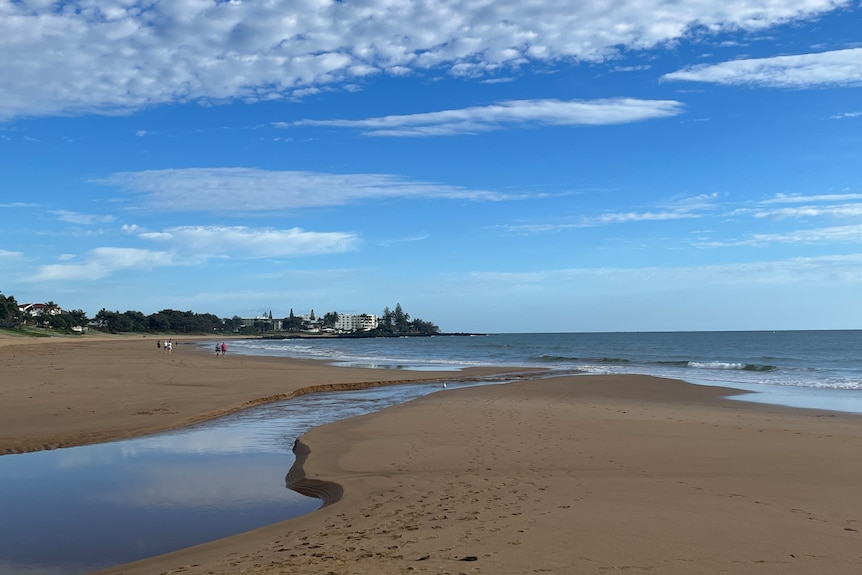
{"points": [[396, 322]]}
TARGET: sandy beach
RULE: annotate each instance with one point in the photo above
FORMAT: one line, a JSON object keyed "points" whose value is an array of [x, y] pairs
{"points": [[61, 392], [580, 474]]}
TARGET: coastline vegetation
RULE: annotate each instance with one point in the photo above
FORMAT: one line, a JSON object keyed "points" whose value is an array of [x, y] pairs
{"points": [[51, 319]]}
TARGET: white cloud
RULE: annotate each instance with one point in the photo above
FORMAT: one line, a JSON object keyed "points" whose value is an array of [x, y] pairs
{"points": [[193, 245], [835, 68], [681, 209], [102, 262], [250, 190], [827, 235], [627, 217], [83, 56], [844, 205], [800, 199], [835, 211], [528, 113], [9, 254], [82, 219], [207, 241]]}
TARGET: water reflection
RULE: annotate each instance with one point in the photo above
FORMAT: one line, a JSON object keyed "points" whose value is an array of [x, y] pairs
{"points": [[76, 510]]}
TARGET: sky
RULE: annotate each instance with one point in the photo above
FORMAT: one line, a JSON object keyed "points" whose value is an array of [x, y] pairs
{"points": [[492, 166]]}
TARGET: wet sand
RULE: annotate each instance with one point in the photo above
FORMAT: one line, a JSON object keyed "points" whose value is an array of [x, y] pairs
{"points": [[61, 392], [588, 474]]}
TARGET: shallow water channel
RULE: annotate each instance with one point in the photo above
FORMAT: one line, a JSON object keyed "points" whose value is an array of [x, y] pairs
{"points": [[76, 510]]}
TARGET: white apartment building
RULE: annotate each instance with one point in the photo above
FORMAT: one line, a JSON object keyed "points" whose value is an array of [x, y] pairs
{"points": [[350, 322]]}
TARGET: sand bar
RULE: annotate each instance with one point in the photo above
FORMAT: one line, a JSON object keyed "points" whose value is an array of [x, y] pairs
{"points": [[590, 474], [61, 392]]}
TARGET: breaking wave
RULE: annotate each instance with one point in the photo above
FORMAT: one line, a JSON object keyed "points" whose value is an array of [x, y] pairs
{"points": [[730, 366]]}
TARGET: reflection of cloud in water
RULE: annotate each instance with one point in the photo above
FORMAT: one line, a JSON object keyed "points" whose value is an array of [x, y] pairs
{"points": [[212, 441], [203, 484], [206, 440], [85, 456]]}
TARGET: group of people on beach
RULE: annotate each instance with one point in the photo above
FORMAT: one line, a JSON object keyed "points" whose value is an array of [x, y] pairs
{"points": [[168, 345], [221, 349]]}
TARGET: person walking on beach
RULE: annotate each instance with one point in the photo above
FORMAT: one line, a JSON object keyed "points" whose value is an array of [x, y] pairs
{"points": [[218, 349], [223, 349]]}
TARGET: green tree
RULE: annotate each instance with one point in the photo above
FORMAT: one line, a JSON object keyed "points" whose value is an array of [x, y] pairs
{"points": [[139, 322], [79, 317], [9, 312], [424, 327], [401, 320], [232, 324], [330, 319], [291, 322], [60, 321], [385, 325]]}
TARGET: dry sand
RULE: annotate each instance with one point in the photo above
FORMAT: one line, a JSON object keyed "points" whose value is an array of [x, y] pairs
{"points": [[590, 474], [60, 392]]}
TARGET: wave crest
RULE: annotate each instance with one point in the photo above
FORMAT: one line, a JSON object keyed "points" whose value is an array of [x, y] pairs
{"points": [[730, 366]]}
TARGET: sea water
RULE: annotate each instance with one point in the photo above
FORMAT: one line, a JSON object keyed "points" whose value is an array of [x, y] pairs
{"points": [[818, 369]]}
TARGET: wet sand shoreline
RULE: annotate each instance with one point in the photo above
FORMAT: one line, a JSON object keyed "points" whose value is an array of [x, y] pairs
{"points": [[63, 392], [576, 474]]}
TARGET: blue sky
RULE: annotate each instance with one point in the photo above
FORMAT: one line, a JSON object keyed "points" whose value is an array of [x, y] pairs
{"points": [[492, 166]]}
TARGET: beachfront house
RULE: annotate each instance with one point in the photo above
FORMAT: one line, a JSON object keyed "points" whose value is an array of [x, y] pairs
{"points": [[39, 309]]}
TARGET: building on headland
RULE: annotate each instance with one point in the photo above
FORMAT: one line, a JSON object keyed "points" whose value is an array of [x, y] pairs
{"points": [[263, 323], [343, 323], [347, 323]]}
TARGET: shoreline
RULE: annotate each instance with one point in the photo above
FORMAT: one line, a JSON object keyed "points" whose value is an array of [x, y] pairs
{"points": [[577, 473], [70, 392], [564, 475]]}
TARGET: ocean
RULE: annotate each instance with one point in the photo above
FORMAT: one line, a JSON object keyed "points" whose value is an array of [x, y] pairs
{"points": [[816, 369]]}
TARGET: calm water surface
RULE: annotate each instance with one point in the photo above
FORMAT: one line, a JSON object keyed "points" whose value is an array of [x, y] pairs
{"points": [[76, 510]]}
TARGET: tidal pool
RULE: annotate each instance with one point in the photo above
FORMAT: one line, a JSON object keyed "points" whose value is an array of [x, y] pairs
{"points": [[76, 510]]}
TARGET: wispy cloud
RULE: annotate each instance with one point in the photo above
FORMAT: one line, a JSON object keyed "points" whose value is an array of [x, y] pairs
{"points": [[102, 262], [206, 241], [114, 56], [681, 209], [835, 68], [825, 235], [253, 190], [517, 113], [83, 219], [802, 199], [835, 211], [846, 205], [192, 245]]}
